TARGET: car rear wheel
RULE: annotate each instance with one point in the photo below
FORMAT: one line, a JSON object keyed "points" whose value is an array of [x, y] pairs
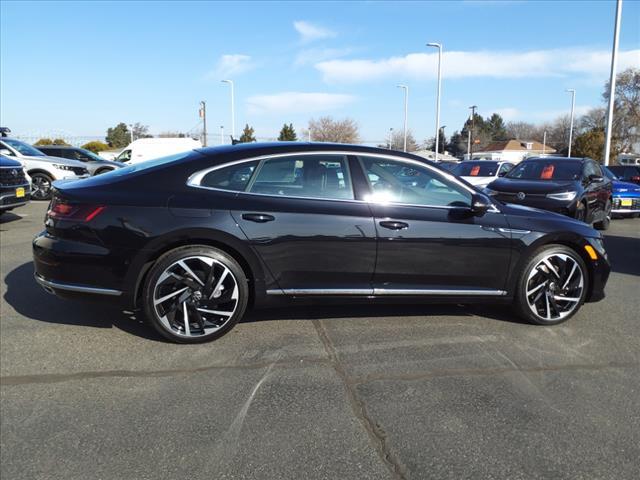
{"points": [[195, 294], [604, 223], [40, 186], [552, 286]]}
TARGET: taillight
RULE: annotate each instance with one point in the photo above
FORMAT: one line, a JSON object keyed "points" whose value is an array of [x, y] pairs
{"points": [[81, 212], [635, 178]]}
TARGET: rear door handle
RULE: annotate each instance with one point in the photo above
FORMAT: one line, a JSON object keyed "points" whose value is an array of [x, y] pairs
{"points": [[391, 225], [258, 217]]}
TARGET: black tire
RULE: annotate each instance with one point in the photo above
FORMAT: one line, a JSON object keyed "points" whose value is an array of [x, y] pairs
{"points": [[169, 259], [606, 222], [41, 186], [521, 303]]}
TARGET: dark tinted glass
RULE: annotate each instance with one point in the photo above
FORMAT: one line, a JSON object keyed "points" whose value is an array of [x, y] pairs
{"points": [[234, 177], [476, 169], [547, 170], [313, 176]]}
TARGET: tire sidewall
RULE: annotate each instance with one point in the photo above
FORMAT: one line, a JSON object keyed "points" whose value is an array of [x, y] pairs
{"points": [[521, 298], [189, 251], [49, 179]]}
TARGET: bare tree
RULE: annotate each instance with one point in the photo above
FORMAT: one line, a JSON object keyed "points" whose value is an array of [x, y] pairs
{"points": [[626, 111], [594, 119], [326, 129], [523, 131], [397, 141]]}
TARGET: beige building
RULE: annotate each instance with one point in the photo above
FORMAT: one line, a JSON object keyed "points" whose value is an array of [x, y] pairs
{"points": [[512, 150]]}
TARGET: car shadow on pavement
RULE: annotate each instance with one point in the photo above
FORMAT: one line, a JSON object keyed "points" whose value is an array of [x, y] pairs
{"points": [[624, 254], [32, 302], [8, 217]]}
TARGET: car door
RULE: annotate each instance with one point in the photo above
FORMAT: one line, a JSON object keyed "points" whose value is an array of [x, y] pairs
{"points": [[300, 215], [428, 243]]}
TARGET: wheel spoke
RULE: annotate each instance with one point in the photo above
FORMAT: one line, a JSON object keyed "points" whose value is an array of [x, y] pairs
{"points": [[190, 272], [551, 267], [215, 312], [219, 284], [566, 282], [535, 289], [566, 299], [167, 297], [187, 330]]}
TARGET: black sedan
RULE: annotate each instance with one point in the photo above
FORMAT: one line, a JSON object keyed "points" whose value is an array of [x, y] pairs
{"points": [[197, 238], [576, 187]]}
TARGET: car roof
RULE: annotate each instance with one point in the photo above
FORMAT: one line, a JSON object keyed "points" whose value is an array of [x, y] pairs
{"points": [[563, 159], [268, 148], [66, 147]]}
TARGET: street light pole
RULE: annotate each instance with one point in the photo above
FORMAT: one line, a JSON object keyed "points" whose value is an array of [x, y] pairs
{"points": [[573, 106], [406, 108], [544, 142], [439, 47], [131, 133], [390, 137], [203, 115], [612, 83], [221, 134], [233, 109], [473, 124]]}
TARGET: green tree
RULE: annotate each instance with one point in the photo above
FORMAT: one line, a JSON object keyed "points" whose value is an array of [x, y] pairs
{"points": [[495, 127], [247, 135], [48, 141], [95, 146], [589, 144], [287, 134], [118, 136]]}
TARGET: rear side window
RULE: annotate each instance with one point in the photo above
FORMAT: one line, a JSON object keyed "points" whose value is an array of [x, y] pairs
{"points": [[313, 176], [234, 177]]}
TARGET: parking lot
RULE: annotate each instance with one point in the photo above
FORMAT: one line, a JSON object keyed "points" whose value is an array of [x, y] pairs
{"points": [[368, 391]]}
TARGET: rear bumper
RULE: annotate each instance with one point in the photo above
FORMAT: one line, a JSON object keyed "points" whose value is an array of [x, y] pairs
{"points": [[51, 286]]}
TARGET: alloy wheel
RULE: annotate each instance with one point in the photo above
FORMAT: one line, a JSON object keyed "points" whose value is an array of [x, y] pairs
{"points": [[195, 296], [41, 187], [554, 287]]}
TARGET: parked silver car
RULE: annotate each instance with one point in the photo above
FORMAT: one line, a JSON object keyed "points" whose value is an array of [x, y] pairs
{"points": [[93, 162]]}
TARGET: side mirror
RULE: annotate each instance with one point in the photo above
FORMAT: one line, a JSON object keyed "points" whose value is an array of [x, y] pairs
{"points": [[480, 204], [596, 178], [502, 173]]}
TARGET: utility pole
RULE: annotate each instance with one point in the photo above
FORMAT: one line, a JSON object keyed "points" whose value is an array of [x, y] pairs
{"points": [[573, 106], [203, 116], [612, 83], [439, 47], [544, 142], [406, 107], [221, 134], [390, 137], [473, 124], [131, 132], [233, 109], [309, 134]]}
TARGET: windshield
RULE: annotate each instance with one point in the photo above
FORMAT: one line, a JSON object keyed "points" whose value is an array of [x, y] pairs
{"points": [[609, 174], [475, 169], [547, 170], [23, 148]]}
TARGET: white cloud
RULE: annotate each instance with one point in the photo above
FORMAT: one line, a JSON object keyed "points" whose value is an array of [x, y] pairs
{"points": [[507, 113], [458, 64], [297, 102], [310, 32], [231, 65]]}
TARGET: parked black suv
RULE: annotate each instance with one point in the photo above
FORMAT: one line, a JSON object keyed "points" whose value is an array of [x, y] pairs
{"points": [[575, 187], [15, 189], [626, 173], [93, 162]]}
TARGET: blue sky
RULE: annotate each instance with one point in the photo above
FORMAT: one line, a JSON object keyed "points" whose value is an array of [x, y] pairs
{"points": [[77, 68]]}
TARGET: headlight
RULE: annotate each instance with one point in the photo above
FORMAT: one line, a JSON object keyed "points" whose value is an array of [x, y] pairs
{"points": [[566, 196], [488, 191], [62, 167]]}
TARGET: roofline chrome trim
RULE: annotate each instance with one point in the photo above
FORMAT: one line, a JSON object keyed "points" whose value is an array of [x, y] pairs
{"points": [[199, 175], [49, 284], [386, 291]]}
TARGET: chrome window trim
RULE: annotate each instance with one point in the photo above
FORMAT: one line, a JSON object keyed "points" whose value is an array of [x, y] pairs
{"points": [[196, 177]]}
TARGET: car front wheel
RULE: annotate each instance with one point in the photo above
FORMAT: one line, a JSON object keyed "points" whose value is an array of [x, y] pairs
{"points": [[195, 294], [552, 285], [40, 186]]}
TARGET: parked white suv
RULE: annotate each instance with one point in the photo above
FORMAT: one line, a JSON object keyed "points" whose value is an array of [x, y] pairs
{"points": [[43, 170]]}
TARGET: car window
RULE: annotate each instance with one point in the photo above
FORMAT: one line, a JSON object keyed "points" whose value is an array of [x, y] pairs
{"points": [[314, 176], [399, 182], [80, 156], [547, 170], [481, 168], [234, 177], [590, 169], [23, 148], [504, 168]]}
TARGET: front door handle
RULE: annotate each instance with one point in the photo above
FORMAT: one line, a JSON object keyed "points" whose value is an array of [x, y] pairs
{"points": [[392, 225], [258, 217]]}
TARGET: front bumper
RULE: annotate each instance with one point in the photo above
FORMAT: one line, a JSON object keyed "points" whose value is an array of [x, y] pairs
{"points": [[599, 270], [9, 196], [625, 205]]}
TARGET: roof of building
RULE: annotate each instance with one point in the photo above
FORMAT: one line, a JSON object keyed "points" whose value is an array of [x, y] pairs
{"points": [[430, 155], [515, 145]]}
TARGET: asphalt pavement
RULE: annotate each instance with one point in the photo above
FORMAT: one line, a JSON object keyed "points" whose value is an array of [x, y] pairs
{"points": [[335, 392]]}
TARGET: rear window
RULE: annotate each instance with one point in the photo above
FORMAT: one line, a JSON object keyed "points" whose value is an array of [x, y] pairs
{"points": [[547, 170], [475, 169]]}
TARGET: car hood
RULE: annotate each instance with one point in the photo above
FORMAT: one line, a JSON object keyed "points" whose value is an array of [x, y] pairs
{"points": [[56, 160], [9, 163], [625, 187], [109, 163], [514, 185]]}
